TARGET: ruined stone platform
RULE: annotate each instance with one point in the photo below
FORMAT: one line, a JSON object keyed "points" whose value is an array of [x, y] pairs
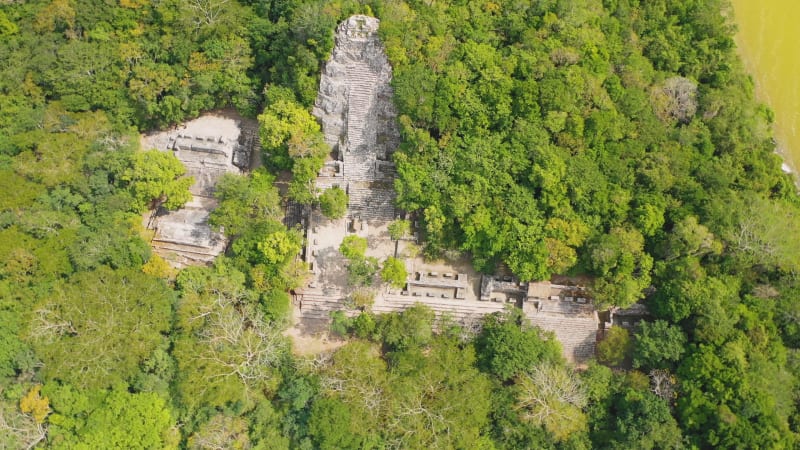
{"points": [[209, 147]]}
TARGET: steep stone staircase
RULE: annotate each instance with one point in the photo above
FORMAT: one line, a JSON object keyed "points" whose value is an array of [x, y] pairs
{"points": [[372, 201], [361, 82], [576, 334]]}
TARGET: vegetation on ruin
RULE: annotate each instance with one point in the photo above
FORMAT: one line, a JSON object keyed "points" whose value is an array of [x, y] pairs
{"points": [[291, 139], [157, 180], [617, 139], [394, 272], [399, 229], [333, 203]]}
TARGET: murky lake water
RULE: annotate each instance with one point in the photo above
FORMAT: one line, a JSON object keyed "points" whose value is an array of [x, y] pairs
{"points": [[769, 42]]}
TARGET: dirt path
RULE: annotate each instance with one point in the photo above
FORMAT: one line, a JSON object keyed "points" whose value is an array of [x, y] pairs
{"points": [[311, 337]]}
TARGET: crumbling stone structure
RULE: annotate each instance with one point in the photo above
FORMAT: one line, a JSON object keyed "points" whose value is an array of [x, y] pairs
{"points": [[208, 147], [359, 120]]}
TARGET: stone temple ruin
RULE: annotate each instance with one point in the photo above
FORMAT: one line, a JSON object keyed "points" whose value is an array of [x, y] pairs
{"points": [[358, 119], [209, 147]]}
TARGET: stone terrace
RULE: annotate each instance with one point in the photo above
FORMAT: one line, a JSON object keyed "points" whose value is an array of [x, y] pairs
{"points": [[576, 333], [208, 147]]}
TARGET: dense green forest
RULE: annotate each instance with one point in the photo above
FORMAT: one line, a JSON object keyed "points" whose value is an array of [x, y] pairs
{"points": [[619, 139]]}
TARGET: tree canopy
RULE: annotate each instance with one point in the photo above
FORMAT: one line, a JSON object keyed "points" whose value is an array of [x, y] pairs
{"points": [[97, 327], [156, 180], [333, 203], [617, 140]]}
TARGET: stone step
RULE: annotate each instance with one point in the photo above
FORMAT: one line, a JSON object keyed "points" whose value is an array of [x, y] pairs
{"points": [[358, 104], [564, 307], [361, 78], [181, 246], [187, 255], [360, 172], [577, 335], [371, 201], [359, 100], [319, 315], [363, 94]]}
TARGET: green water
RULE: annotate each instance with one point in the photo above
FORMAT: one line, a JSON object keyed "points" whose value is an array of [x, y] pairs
{"points": [[769, 43]]}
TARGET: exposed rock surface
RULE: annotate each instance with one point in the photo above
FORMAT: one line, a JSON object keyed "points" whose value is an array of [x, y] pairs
{"points": [[358, 119]]}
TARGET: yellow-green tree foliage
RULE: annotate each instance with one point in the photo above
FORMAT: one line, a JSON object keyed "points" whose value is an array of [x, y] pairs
{"points": [[97, 327], [394, 272], [156, 179]]}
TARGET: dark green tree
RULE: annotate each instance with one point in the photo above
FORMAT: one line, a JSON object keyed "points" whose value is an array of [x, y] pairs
{"points": [[508, 345], [657, 345], [615, 346]]}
